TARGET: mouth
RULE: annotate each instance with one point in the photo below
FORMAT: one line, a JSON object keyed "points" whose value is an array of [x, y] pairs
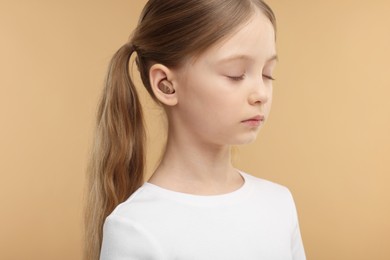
{"points": [[254, 121]]}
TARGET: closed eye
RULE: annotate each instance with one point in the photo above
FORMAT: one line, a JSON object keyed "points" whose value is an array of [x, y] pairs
{"points": [[268, 77], [237, 78]]}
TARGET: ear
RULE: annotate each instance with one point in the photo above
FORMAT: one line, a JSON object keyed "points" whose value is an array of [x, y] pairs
{"points": [[160, 78]]}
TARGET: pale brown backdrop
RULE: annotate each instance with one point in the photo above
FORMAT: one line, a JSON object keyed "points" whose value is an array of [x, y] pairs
{"points": [[327, 139]]}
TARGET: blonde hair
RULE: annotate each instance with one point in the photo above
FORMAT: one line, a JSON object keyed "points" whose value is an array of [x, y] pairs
{"points": [[168, 32]]}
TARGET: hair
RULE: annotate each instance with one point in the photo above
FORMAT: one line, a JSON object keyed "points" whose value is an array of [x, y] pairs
{"points": [[168, 32]]}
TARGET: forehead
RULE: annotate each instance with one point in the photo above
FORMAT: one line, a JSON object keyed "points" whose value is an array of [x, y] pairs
{"points": [[254, 40]]}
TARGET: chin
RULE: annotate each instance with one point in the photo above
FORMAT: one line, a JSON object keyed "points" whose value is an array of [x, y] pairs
{"points": [[245, 139]]}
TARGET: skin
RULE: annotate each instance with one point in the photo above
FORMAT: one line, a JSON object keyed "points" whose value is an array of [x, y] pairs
{"points": [[214, 96]]}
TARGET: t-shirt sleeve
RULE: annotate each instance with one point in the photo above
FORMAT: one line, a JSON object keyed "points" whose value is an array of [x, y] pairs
{"points": [[297, 248], [124, 239]]}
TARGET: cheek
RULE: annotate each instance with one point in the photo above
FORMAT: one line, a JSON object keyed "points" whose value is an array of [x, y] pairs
{"points": [[201, 90], [270, 95], [207, 94], [195, 100], [269, 102]]}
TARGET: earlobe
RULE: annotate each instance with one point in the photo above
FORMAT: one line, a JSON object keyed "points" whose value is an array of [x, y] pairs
{"points": [[162, 85]]}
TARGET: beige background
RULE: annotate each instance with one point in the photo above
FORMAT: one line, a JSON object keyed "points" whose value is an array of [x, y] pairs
{"points": [[327, 139]]}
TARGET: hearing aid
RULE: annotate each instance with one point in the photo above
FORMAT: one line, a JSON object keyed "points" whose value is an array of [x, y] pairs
{"points": [[166, 87]]}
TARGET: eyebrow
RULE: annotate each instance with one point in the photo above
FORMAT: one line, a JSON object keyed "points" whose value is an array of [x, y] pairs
{"points": [[245, 57]]}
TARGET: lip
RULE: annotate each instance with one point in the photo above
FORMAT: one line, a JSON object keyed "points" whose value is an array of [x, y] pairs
{"points": [[254, 121]]}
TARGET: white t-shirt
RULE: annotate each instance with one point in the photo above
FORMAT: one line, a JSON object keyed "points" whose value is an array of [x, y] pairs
{"points": [[256, 222]]}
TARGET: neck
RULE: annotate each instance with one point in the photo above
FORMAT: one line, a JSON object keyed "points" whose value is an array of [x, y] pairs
{"points": [[195, 167]]}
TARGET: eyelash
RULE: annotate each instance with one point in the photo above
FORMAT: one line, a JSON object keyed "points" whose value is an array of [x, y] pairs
{"points": [[268, 77], [243, 76], [237, 78]]}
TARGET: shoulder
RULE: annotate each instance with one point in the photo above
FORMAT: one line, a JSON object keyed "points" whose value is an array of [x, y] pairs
{"points": [[263, 185], [126, 239], [138, 206], [269, 191], [273, 198]]}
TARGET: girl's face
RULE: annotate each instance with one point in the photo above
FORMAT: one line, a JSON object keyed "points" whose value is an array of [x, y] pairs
{"points": [[224, 95]]}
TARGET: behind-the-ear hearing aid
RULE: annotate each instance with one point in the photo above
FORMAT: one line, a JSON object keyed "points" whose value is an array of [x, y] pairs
{"points": [[166, 87]]}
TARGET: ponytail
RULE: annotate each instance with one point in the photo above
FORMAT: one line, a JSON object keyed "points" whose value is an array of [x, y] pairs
{"points": [[117, 160]]}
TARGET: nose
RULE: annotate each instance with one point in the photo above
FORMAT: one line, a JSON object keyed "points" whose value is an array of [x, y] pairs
{"points": [[260, 92]]}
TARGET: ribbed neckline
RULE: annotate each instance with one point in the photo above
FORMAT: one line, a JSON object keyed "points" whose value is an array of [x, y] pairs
{"points": [[203, 200]]}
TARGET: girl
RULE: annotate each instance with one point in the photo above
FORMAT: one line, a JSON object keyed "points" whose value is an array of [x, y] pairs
{"points": [[209, 64]]}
